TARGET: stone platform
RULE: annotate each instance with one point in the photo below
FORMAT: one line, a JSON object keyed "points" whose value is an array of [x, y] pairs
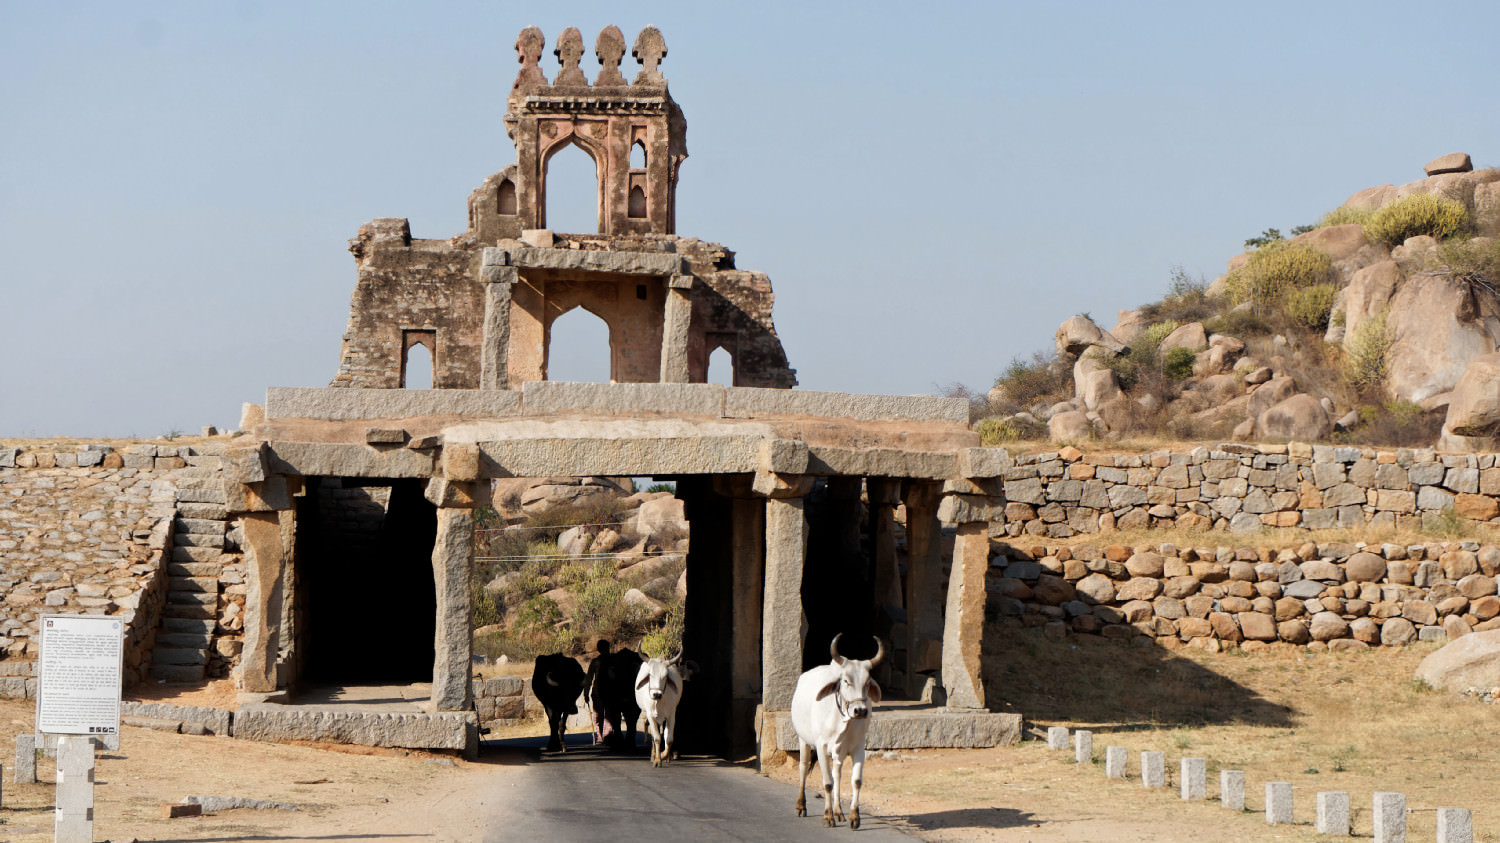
{"points": [[364, 715], [914, 726]]}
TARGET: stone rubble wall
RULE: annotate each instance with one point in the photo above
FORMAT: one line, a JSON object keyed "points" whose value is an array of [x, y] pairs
{"points": [[87, 529], [1245, 488], [1322, 596]]}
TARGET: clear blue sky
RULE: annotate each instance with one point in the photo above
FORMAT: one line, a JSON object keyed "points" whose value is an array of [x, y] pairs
{"points": [[932, 188]]}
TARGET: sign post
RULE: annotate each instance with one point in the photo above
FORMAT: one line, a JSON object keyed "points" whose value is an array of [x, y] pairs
{"points": [[78, 699]]}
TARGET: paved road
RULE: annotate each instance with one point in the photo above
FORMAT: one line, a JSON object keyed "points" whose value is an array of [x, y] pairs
{"points": [[587, 794]]}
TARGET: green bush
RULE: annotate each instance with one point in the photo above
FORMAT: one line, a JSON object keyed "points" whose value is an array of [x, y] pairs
{"points": [[484, 611], [993, 431], [1423, 213], [1345, 216], [1275, 270], [1178, 364], [1239, 323], [1365, 353], [1310, 306], [540, 612], [666, 640], [1026, 383]]}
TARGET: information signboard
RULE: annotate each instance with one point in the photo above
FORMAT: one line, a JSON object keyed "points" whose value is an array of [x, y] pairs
{"points": [[78, 689]]}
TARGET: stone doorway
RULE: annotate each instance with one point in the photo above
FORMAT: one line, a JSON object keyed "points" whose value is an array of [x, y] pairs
{"points": [[364, 601]]}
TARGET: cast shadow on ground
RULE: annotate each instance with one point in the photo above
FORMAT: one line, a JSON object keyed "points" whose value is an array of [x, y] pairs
{"points": [[1110, 684], [963, 818]]}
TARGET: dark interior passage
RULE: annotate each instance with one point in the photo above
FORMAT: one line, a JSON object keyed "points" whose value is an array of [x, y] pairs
{"points": [[364, 591]]}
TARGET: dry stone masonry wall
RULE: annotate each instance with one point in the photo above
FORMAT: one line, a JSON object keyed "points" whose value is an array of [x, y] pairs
{"points": [[1245, 488]]}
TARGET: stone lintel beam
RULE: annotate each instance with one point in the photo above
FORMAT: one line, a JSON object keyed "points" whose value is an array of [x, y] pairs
{"points": [[578, 260], [265, 568], [451, 575], [963, 622], [881, 462], [782, 486], [343, 404], [976, 463], [627, 456], [313, 459], [784, 456], [269, 495], [452, 494]]}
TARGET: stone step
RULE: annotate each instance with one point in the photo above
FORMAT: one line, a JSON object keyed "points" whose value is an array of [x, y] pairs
{"points": [[201, 496], [206, 511], [196, 554], [194, 569], [197, 540], [187, 640], [178, 655], [196, 611], [199, 598], [190, 625], [199, 526], [178, 672], [196, 585]]}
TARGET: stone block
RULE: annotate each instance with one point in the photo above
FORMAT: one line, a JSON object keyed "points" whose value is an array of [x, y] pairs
{"points": [[1333, 813], [1153, 769], [25, 769], [1232, 789], [941, 727], [1455, 825], [412, 730], [358, 404], [1389, 814], [1193, 779], [1114, 761], [754, 402], [1083, 746], [1057, 737], [1278, 803], [676, 399], [629, 263]]}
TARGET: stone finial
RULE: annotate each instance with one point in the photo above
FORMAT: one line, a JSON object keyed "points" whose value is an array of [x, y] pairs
{"points": [[529, 46], [610, 50], [569, 52], [650, 48]]}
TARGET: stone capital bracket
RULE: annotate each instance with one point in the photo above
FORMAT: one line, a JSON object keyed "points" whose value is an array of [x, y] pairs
{"points": [[506, 275], [773, 485], [269, 495], [784, 456], [246, 465], [977, 463], [460, 462], [969, 509], [680, 282], [452, 494]]}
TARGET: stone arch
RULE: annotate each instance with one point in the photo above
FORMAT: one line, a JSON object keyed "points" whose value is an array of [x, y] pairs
{"points": [[505, 200], [574, 353], [422, 367], [545, 196], [721, 366]]}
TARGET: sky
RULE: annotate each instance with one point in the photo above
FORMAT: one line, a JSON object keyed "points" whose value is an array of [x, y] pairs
{"points": [[932, 188]]}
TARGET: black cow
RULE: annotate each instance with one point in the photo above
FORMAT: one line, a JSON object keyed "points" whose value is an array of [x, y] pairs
{"points": [[556, 681], [612, 693]]}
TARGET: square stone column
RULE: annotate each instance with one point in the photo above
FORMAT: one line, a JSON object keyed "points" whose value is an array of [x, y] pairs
{"points": [[781, 619], [265, 568], [924, 584], [963, 623], [746, 612], [494, 371], [674, 330], [452, 577], [884, 495]]}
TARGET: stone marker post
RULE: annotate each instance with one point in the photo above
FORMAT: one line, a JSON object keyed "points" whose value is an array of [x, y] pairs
{"points": [[1057, 737], [1153, 769], [1083, 746], [1232, 789], [74, 815], [1455, 825], [1194, 779], [1114, 761], [1278, 803], [1333, 813], [25, 760], [1390, 817]]}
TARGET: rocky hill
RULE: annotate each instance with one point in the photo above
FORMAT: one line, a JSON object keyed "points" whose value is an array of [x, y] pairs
{"points": [[1379, 324]]}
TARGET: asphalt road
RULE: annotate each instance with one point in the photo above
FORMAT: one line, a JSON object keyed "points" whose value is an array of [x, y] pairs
{"points": [[588, 794]]}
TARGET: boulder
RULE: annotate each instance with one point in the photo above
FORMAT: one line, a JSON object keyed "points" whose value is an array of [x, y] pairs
{"points": [[1222, 353], [652, 608], [1371, 198], [1439, 326], [1487, 208], [1346, 245], [1415, 252], [1190, 336], [1474, 408], [1453, 162], [665, 511], [1220, 388], [1299, 418], [1069, 426], [1078, 334], [1269, 394], [1472, 661], [1129, 324], [1094, 383], [1369, 292]]}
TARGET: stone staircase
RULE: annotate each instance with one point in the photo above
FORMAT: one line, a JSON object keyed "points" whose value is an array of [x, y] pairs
{"points": [[185, 638]]}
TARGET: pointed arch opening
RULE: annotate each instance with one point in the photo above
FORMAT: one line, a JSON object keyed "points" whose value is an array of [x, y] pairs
{"points": [[638, 156], [418, 360], [721, 367], [572, 191], [578, 348], [637, 207], [505, 200]]}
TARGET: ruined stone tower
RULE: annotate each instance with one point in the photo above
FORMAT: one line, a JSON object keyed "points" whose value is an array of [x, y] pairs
{"points": [[483, 303]]}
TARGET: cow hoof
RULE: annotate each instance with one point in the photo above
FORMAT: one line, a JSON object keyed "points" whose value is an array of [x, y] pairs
{"points": [[854, 820], [828, 819], [801, 806]]}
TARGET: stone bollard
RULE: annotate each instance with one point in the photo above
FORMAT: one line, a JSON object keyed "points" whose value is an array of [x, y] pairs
{"points": [[1153, 769], [1232, 789], [74, 815], [25, 760], [1114, 761], [1083, 746], [1455, 825], [1333, 813], [1390, 818], [1278, 803], [1194, 779], [1057, 737]]}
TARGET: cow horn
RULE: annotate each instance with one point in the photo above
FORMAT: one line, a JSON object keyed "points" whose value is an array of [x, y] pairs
{"points": [[675, 659], [879, 652], [551, 683], [833, 648]]}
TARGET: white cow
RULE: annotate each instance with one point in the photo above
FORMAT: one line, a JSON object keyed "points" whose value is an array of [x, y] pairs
{"points": [[658, 688], [831, 713]]}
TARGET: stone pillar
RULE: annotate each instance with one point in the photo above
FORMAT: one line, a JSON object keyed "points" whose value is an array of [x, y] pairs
{"points": [[451, 575], [884, 495], [749, 579], [674, 329], [265, 569], [781, 618], [494, 371], [924, 620], [963, 624]]}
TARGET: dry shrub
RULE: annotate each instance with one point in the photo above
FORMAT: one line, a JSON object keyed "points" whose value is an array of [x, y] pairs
{"points": [[1037, 381], [1422, 213], [1396, 424], [1365, 354], [1345, 216], [1310, 306], [994, 431], [1475, 262], [1275, 270]]}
